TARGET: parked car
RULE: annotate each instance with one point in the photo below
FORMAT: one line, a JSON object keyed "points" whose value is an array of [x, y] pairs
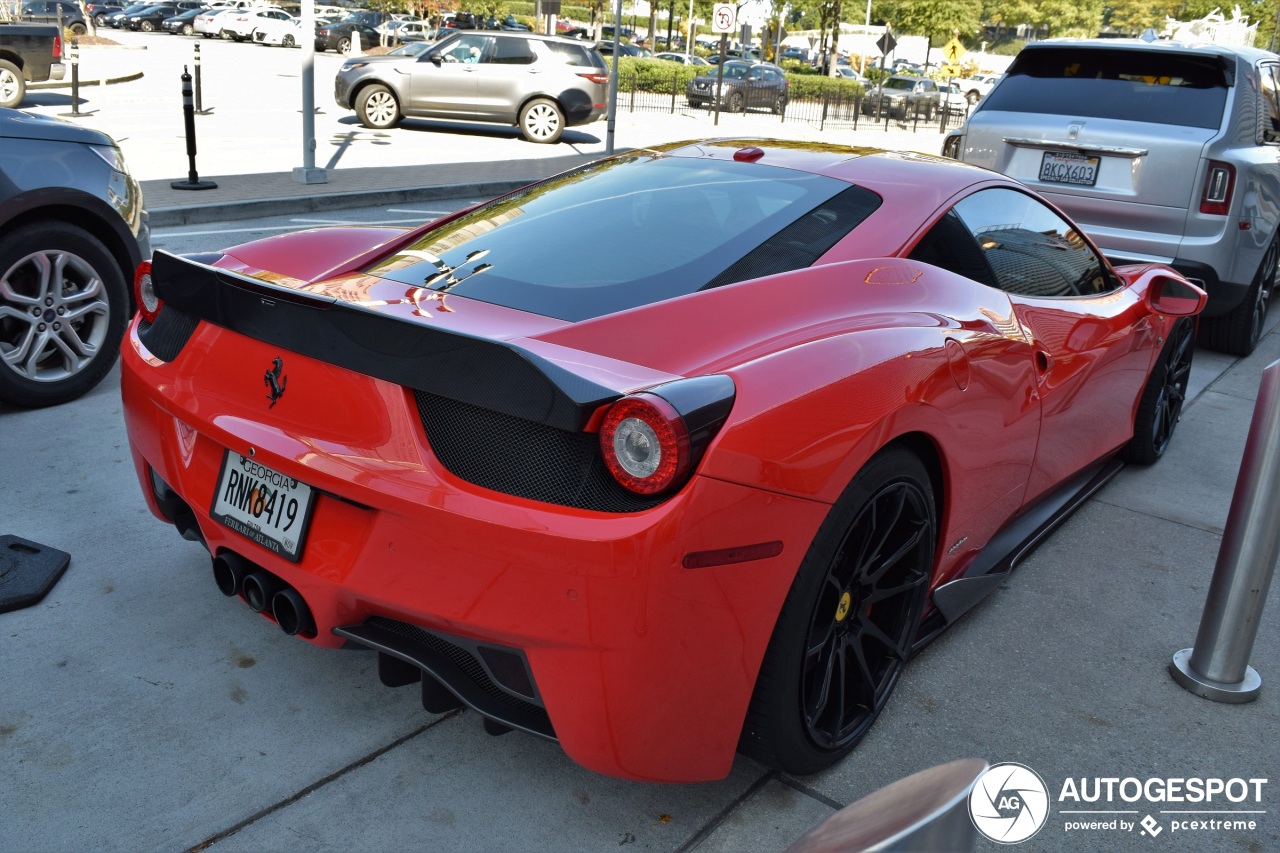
{"points": [[239, 26], [474, 448], [152, 18], [115, 20], [339, 36], [605, 48], [183, 23], [746, 85], [682, 58], [98, 12], [1163, 152], [421, 31], [70, 239], [902, 95], [53, 12], [953, 100], [209, 22], [977, 86], [848, 72], [284, 32], [482, 76]]}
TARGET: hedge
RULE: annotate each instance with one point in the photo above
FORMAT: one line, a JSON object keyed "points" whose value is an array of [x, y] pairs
{"points": [[656, 75]]}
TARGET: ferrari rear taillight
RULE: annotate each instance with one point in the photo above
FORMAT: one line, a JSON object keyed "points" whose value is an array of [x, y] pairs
{"points": [[144, 291], [652, 440], [645, 444], [1219, 183]]}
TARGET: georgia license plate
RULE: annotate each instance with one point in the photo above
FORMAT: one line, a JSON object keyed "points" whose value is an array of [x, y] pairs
{"points": [[1063, 168], [262, 505]]}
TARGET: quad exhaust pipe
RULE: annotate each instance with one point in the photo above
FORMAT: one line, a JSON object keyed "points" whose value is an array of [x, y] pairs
{"points": [[263, 592]]}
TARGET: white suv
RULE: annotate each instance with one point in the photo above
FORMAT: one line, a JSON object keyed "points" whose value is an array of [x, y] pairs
{"points": [[1161, 151]]}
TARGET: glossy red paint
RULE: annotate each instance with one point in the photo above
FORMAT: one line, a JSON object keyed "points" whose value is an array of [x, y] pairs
{"points": [[645, 666]]}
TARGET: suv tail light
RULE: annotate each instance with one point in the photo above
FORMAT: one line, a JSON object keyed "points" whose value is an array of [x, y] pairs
{"points": [[1219, 183], [57, 47], [144, 292], [652, 440], [594, 76]]}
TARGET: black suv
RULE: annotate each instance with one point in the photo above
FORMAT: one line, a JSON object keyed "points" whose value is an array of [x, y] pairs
{"points": [[52, 11], [70, 240]]}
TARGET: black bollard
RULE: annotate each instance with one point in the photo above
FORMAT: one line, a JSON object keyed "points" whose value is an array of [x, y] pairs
{"points": [[200, 110], [193, 181], [73, 57]]}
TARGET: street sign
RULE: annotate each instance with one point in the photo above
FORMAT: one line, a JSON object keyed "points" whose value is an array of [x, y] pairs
{"points": [[953, 51], [886, 43], [724, 19]]}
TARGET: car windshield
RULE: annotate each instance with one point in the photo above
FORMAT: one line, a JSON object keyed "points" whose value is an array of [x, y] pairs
{"points": [[736, 70], [633, 231], [899, 83], [1129, 84]]}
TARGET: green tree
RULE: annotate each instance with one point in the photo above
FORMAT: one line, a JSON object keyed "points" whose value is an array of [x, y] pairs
{"points": [[938, 20]]}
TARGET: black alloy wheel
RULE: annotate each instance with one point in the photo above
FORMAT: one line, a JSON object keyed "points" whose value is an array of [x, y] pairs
{"points": [[1238, 331], [1164, 396], [846, 628]]}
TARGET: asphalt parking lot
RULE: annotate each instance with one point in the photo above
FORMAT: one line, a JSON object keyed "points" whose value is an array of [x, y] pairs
{"points": [[141, 710]]}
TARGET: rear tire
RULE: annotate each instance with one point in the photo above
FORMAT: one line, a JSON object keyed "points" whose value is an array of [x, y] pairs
{"points": [[377, 107], [847, 625], [13, 88], [1163, 397], [1238, 331], [541, 121]]}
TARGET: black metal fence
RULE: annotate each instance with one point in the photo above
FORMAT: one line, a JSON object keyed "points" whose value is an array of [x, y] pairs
{"points": [[835, 108]]}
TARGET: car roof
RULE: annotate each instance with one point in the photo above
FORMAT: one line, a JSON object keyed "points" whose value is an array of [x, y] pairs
{"points": [[1251, 54], [924, 178]]}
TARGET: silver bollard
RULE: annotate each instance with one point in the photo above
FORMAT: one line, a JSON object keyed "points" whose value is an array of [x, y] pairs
{"points": [[1217, 667]]}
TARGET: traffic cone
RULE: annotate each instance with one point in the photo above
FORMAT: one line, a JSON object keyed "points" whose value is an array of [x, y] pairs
{"points": [[356, 50]]}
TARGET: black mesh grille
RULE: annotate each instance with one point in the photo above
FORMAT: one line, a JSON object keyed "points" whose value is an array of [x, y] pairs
{"points": [[523, 458], [460, 658], [166, 337]]}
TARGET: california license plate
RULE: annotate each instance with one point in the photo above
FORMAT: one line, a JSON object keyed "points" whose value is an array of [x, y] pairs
{"points": [[1062, 168], [263, 505]]}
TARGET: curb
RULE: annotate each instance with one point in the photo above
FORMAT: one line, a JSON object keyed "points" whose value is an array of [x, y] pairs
{"points": [[102, 81], [201, 213]]}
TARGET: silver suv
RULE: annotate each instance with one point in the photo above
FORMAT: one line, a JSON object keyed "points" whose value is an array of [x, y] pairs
{"points": [[541, 84], [1161, 151]]}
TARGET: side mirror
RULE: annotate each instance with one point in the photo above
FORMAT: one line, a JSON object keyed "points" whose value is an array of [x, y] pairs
{"points": [[1176, 297], [435, 58]]}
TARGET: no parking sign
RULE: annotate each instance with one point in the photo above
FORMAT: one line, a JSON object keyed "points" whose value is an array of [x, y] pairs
{"points": [[725, 18]]}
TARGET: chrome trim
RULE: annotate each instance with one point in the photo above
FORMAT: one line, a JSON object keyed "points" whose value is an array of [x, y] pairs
{"points": [[1076, 146]]}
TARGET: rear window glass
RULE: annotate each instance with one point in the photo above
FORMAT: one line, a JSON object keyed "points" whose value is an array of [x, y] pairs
{"points": [[1133, 85], [633, 231]]}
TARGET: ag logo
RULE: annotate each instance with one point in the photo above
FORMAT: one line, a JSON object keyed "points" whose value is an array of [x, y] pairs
{"points": [[1009, 803]]}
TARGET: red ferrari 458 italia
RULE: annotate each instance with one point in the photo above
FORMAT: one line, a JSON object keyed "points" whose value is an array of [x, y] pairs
{"points": [[679, 453]]}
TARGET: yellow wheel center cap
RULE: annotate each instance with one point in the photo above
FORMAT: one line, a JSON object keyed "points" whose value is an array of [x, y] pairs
{"points": [[842, 609]]}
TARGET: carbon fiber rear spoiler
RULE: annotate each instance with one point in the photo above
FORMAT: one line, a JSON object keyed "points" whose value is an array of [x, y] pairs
{"points": [[494, 375]]}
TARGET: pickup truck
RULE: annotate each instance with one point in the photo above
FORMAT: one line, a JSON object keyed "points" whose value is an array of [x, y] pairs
{"points": [[29, 53]]}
